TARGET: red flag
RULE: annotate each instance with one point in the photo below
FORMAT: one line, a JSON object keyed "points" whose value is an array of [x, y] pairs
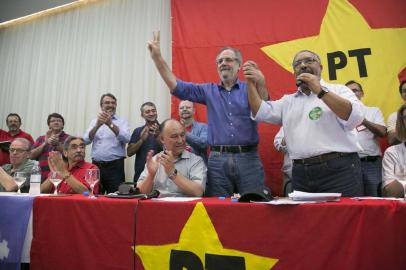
{"points": [[201, 28]]}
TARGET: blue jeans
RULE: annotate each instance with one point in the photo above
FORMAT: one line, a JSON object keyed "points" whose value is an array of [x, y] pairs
{"points": [[230, 173], [372, 177], [342, 174]]}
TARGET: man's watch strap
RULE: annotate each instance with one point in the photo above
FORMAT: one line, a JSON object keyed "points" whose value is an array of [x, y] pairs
{"points": [[323, 91], [173, 174]]}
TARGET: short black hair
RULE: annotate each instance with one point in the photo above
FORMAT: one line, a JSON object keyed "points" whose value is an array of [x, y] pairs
{"points": [[107, 95], [400, 86], [55, 115], [148, 103], [13, 114], [354, 82]]}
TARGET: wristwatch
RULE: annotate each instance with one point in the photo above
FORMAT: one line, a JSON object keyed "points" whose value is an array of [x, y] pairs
{"points": [[173, 175], [111, 126], [323, 91]]}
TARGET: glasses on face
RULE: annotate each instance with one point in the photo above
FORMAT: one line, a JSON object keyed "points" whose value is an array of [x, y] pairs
{"points": [[16, 150], [77, 146], [225, 60], [306, 61]]}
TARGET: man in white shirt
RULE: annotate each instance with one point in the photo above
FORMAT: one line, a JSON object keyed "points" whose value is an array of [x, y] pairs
{"points": [[372, 128], [391, 123], [318, 121]]}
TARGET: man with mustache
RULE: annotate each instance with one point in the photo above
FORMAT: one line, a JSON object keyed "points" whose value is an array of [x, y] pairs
{"points": [[109, 135], [196, 132], [13, 122], [234, 164], [318, 121], [72, 171], [175, 171], [144, 138], [52, 141]]}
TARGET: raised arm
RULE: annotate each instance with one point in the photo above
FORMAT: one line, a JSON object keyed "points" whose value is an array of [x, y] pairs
{"points": [[160, 63]]}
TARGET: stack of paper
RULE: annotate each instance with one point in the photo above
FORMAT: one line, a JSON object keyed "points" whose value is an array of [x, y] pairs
{"points": [[306, 196]]}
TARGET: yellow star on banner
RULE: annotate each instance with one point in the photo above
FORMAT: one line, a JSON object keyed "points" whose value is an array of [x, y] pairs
{"points": [[199, 237], [344, 29]]}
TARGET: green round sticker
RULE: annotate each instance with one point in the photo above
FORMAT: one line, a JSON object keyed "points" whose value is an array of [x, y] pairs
{"points": [[315, 113]]}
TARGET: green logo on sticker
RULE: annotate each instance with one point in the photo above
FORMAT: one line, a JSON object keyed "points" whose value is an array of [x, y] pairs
{"points": [[315, 113]]}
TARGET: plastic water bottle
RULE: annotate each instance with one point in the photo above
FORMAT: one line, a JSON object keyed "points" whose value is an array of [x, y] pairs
{"points": [[35, 180]]}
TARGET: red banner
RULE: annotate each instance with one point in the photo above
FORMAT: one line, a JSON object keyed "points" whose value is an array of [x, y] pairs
{"points": [[368, 35], [216, 234]]}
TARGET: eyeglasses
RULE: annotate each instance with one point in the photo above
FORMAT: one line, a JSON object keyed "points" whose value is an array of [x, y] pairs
{"points": [[225, 60], [306, 61], [76, 146], [18, 151]]}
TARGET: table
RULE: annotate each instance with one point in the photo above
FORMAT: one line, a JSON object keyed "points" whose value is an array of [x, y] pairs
{"points": [[80, 233]]}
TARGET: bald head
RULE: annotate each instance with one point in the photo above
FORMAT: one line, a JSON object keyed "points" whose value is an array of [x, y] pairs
{"points": [[173, 136]]}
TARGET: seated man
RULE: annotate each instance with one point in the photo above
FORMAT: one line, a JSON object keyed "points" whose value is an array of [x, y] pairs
{"points": [[20, 162], [394, 161], [175, 171], [72, 171], [391, 124]]}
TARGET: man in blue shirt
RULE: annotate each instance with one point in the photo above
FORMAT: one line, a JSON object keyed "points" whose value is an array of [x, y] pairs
{"points": [[144, 138], [196, 132], [109, 135], [234, 164]]}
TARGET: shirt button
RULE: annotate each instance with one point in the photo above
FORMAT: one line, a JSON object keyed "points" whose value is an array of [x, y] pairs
{"points": [[229, 103], [231, 124], [229, 113], [232, 135]]}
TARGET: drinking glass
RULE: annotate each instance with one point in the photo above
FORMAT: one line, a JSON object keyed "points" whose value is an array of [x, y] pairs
{"points": [[55, 179], [92, 177], [19, 178]]}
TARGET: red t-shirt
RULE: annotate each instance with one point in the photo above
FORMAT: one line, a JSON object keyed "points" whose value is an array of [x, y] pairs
{"points": [[6, 136], [79, 172]]}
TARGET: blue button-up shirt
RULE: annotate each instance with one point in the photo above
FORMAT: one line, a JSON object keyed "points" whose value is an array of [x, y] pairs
{"points": [[106, 145], [229, 121]]}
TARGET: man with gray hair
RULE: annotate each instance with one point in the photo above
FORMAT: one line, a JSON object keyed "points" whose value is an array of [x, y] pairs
{"points": [[72, 170], [19, 162], [234, 164], [318, 121]]}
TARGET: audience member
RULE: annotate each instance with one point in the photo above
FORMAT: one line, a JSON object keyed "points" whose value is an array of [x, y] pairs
{"points": [[144, 138], [372, 127], [196, 132], [391, 124], [394, 161], [318, 122], [52, 141], [234, 164], [108, 134], [13, 122], [19, 162], [175, 171], [72, 170], [280, 145]]}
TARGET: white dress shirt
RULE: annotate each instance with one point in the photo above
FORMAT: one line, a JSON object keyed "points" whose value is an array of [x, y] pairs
{"points": [[310, 127], [369, 142], [394, 165]]}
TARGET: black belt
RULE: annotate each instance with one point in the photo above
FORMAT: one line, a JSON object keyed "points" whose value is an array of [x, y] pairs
{"points": [[105, 163], [320, 159], [233, 148], [370, 158]]}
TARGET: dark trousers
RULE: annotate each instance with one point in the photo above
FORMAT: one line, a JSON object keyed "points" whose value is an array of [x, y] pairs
{"points": [[341, 174], [111, 174]]}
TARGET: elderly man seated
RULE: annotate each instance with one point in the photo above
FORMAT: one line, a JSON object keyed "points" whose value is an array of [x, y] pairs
{"points": [[72, 171], [19, 162], [174, 172]]}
